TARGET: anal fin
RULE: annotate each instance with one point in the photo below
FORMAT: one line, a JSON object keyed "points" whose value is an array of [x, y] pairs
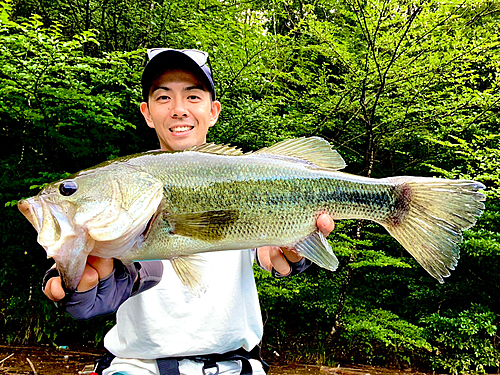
{"points": [[316, 248]]}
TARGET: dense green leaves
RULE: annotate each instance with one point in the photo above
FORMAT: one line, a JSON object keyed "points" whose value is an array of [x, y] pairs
{"points": [[381, 337], [398, 87], [463, 340]]}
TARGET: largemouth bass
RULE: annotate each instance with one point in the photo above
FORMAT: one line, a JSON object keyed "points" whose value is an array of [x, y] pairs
{"points": [[172, 206]]}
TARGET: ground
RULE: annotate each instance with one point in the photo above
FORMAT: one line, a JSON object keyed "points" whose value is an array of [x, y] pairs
{"points": [[48, 360]]}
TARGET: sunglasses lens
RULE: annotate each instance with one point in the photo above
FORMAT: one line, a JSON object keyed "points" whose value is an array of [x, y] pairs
{"points": [[155, 51], [199, 57]]}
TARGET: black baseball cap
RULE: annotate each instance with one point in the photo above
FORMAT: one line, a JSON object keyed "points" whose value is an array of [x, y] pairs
{"points": [[162, 59]]}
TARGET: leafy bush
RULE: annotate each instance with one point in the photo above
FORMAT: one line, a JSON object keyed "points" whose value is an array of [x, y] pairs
{"points": [[381, 337], [466, 342], [60, 109], [298, 313]]}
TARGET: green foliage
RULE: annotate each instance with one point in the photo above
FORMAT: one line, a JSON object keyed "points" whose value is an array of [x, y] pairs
{"points": [[67, 99], [297, 313], [60, 110], [397, 87], [465, 341], [381, 337], [477, 159]]}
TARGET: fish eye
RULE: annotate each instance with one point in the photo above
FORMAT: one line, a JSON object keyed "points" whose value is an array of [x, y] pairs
{"points": [[68, 188]]}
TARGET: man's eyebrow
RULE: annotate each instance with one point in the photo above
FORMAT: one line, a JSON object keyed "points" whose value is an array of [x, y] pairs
{"points": [[196, 87], [160, 88], [189, 88]]}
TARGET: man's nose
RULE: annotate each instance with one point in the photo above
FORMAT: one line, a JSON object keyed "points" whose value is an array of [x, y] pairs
{"points": [[179, 110]]}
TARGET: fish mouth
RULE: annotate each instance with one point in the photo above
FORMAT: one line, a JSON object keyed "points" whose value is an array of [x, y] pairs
{"points": [[50, 221], [29, 211], [70, 230], [68, 245]]}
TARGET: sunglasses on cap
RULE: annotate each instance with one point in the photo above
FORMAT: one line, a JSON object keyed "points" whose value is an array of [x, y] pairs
{"points": [[199, 57]]}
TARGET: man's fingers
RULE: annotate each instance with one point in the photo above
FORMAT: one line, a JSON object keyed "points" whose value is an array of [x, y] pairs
{"points": [[278, 261], [263, 256], [95, 269], [325, 224], [90, 278], [291, 255], [54, 290], [103, 266], [274, 257], [271, 256]]}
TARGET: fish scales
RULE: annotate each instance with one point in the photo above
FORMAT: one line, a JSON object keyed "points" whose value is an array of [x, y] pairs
{"points": [[213, 198], [294, 196]]}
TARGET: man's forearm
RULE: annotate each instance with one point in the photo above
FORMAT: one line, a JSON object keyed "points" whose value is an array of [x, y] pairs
{"points": [[112, 291]]}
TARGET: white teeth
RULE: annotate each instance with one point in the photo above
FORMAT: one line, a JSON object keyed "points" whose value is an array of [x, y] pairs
{"points": [[179, 129]]}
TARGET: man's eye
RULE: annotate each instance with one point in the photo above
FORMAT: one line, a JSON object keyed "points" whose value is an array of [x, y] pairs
{"points": [[193, 97], [163, 97]]}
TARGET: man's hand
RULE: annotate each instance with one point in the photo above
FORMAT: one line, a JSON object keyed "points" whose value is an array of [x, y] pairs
{"points": [[95, 269], [270, 256]]}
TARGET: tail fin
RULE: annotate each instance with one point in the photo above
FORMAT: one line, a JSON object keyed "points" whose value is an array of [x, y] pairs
{"points": [[430, 215]]}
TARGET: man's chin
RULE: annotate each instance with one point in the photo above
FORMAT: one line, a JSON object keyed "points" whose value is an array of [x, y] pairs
{"points": [[183, 143]]}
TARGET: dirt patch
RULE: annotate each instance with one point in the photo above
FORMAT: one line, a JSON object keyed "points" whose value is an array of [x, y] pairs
{"points": [[297, 369], [48, 360], [45, 360]]}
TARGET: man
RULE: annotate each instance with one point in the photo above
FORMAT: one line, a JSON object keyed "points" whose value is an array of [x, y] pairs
{"points": [[157, 316]]}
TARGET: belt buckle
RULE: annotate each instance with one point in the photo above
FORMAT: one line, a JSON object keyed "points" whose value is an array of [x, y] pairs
{"points": [[208, 366]]}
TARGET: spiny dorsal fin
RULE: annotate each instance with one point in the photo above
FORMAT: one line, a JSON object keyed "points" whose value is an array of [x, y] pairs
{"points": [[314, 150], [212, 148]]}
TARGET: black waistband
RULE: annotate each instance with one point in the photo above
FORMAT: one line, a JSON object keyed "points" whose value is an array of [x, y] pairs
{"points": [[170, 365]]}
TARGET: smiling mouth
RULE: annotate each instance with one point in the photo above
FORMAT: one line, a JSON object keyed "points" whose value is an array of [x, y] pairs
{"points": [[181, 129]]}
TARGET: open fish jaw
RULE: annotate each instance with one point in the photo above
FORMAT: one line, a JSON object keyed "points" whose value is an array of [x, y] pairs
{"points": [[67, 243], [102, 218], [52, 224]]}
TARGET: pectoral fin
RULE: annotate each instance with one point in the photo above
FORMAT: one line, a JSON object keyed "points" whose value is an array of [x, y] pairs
{"points": [[205, 226], [316, 248]]}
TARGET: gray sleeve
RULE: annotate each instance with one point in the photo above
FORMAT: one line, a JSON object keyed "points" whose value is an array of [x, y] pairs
{"points": [[112, 291], [150, 274]]}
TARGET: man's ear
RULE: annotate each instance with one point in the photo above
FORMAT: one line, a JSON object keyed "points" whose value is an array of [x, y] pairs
{"points": [[214, 112], [147, 115]]}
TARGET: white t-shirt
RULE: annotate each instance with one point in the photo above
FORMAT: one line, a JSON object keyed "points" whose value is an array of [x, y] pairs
{"points": [[168, 320]]}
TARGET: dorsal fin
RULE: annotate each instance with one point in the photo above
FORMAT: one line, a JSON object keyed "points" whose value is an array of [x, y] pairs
{"points": [[315, 150], [212, 148]]}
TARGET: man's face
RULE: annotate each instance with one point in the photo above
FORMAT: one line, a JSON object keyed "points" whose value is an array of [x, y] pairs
{"points": [[180, 110]]}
